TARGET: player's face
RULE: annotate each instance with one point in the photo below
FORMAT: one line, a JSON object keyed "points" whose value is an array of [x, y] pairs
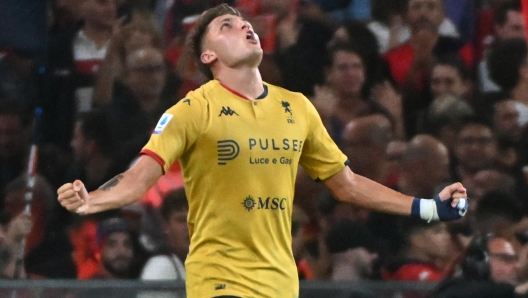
{"points": [[231, 41], [118, 253]]}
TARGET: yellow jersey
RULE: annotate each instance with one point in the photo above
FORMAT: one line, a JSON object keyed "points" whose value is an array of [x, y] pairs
{"points": [[239, 159]]}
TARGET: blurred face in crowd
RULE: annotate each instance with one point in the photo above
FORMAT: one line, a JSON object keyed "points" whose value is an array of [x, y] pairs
{"points": [[476, 147], [513, 27], [363, 260], [117, 254], [505, 120], [425, 14], [145, 72], [433, 241], [178, 232], [347, 73], [100, 13], [446, 80], [140, 32], [503, 261], [11, 135]]}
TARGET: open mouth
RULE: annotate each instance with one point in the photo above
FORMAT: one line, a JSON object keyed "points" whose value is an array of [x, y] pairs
{"points": [[252, 36]]}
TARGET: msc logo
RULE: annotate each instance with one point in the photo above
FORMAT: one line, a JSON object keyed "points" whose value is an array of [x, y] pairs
{"points": [[227, 111], [227, 150], [268, 203]]}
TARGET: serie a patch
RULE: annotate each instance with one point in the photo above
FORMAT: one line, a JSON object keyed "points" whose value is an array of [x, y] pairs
{"points": [[162, 123]]}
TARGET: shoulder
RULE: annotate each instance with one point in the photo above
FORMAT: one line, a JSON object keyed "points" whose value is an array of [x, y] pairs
{"points": [[282, 93]]}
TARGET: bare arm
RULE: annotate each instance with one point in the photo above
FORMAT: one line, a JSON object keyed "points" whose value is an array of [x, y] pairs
{"points": [[356, 189], [122, 190]]}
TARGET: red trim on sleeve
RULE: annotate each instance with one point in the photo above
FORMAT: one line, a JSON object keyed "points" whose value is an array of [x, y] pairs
{"points": [[234, 92], [155, 156]]}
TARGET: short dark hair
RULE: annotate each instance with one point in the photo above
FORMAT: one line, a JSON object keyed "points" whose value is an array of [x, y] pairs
{"points": [[408, 226], [505, 60], [201, 28], [347, 234], [497, 204], [174, 201], [501, 14], [456, 62], [343, 46], [95, 126]]}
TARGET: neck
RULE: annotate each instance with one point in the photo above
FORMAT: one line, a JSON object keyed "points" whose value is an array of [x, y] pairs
{"points": [[98, 34], [344, 271], [97, 168], [247, 81], [520, 93]]}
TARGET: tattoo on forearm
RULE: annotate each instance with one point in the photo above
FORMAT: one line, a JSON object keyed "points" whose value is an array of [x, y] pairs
{"points": [[111, 183]]}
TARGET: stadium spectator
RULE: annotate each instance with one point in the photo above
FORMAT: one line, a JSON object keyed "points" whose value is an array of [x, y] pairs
{"points": [[47, 244], [14, 141], [352, 251], [115, 242], [507, 67], [422, 246], [475, 149], [169, 265], [508, 23], [134, 112], [410, 63], [140, 30], [365, 141], [93, 150], [424, 166], [345, 76], [74, 57]]}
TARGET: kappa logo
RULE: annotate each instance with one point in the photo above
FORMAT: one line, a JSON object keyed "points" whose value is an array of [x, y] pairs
{"points": [[227, 150], [162, 123], [227, 111]]}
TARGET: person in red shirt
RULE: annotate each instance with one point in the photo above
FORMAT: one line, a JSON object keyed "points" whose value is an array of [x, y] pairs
{"points": [[422, 246], [410, 64]]}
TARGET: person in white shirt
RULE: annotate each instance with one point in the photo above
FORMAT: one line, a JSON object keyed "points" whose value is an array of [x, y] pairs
{"points": [[169, 266]]}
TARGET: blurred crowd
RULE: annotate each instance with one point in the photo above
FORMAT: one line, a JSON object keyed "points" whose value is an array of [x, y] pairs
{"points": [[417, 93]]}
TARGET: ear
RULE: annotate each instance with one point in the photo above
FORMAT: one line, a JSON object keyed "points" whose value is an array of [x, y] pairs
{"points": [[208, 57]]}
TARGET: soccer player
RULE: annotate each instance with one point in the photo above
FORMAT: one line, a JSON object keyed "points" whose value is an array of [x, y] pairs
{"points": [[240, 141]]}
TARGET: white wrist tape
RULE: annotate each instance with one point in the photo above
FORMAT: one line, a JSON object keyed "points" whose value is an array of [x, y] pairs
{"points": [[428, 210]]}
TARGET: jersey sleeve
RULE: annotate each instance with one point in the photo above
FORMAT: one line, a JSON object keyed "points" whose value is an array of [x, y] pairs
{"points": [[177, 130], [320, 158]]}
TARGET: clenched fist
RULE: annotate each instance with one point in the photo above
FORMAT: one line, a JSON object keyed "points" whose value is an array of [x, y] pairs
{"points": [[74, 197]]}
